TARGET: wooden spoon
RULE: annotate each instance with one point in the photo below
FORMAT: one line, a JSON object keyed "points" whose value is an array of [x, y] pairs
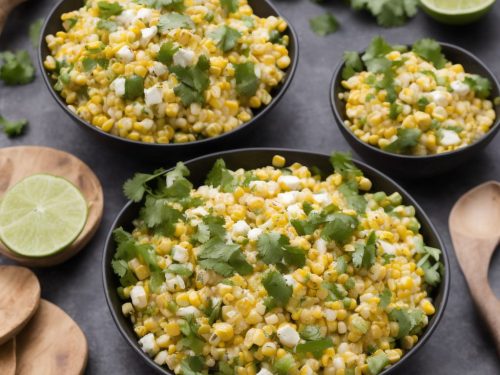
{"points": [[475, 232], [51, 343], [8, 358], [6, 7], [19, 300], [17, 163]]}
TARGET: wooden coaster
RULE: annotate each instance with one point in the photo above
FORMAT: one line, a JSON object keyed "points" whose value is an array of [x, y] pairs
{"points": [[51, 343], [19, 300], [8, 358], [17, 163]]}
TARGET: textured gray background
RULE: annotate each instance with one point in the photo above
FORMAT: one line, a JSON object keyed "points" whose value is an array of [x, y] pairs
{"points": [[303, 120]]}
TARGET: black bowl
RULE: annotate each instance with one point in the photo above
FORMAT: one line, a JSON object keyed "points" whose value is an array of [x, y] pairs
{"points": [[408, 166], [255, 158], [173, 151]]}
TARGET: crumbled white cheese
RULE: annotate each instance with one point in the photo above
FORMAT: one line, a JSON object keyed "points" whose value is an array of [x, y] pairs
{"points": [[147, 34], [144, 14], [287, 198], [187, 311], [288, 336], [180, 254], [158, 69], [291, 182], [460, 88], [118, 85], [175, 284], [125, 54], [184, 57], [138, 296], [240, 228], [148, 344], [439, 98], [449, 138], [254, 234], [153, 95]]}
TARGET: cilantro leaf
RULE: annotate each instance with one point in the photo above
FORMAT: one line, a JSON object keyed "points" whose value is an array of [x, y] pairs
{"points": [[12, 128], [316, 347], [174, 20], [135, 187], [121, 269], [311, 332], [189, 328], [343, 165], [385, 298], [192, 365], [107, 10], [480, 85], [17, 69], [167, 52], [340, 228], [335, 291], [213, 311], [324, 24], [35, 30], [432, 274], [406, 139], [376, 363], [215, 225], [353, 64], [364, 255], [378, 48], [177, 5], [277, 288], [410, 321], [247, 82], [230, 6], [107, 25], [179, 269], [158, 215], [225, 259], [430, 50], [134, 87], [220, 176], [194, 81], [341, 266], [89, 63], [388, 13], [202, 234], [226, 37], [274, 247], [354, 200]]}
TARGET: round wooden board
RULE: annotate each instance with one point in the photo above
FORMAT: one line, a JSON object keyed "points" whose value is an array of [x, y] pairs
{"points": [[51, 343], [8, 358], [19, 300], [17, 163]]}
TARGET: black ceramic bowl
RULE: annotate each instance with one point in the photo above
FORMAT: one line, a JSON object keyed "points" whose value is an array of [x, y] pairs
{"points": [[173, 151], [255, 158], [408, 166]]}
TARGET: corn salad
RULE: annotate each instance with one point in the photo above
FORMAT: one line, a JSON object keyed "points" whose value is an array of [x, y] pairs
{"points": [[275, 271], [172, 71], [437, 109]]}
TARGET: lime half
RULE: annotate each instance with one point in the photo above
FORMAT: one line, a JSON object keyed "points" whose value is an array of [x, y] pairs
{"points": [[41, 215], [456, 12]]}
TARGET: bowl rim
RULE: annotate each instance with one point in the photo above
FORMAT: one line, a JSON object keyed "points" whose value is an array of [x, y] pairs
{"points": [[340, 122], [445, 281], [290, 73]]}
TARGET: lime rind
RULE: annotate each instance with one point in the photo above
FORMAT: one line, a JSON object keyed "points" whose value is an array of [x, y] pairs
{"points": [[456, 15], [42, 215]]}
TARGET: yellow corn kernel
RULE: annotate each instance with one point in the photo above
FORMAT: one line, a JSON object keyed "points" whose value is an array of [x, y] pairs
{"points": [[409, 122], [423, 119], [194, 298], [140, 71], [224, 331], [283, 62], [259, 338], [172, 329], [269, 349], [278, 161], [428, 307], [108, 125], [140, 330]]}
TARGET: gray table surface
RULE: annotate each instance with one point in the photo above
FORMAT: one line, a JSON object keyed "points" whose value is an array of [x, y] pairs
{"points": [[303, 120]]}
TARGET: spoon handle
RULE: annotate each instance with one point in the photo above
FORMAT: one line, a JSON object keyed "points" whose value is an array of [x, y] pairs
{"points": [[475, 270]]}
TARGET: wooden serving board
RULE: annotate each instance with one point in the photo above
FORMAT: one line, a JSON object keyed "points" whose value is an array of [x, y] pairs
{"points": [[17, 163], [8, 358], [19, 300], [51, 344]]}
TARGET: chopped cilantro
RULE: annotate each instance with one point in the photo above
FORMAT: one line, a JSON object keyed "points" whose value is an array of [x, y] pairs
{"points": [[230, 6], [341, 266], [324, 24], [247, 82], [134, 87], [167, 52], [179, 269], [174, 20], [432, 274], [35, 30], [192, 365], [220, 176], [89, 63], [353, 64], [213, 311], [385, 298], [335, 291], [120, 268], [225, 259], [189, 329], [226, 37], [376, 363], [340, 228], [311, 332], [480, 85], [108, 25], [194, 80], [275, 37], [17, 68], [378, 48], [107, 10], [274, 247], [277, 288], [12, 128], [354, 200], [430, 50], [135, 188], [422, 103], [388, 13], [160, 216], [364, 255], [177, 5], [343, 165], [316, 347], [406, 139], [395, 110], [410, 321]]}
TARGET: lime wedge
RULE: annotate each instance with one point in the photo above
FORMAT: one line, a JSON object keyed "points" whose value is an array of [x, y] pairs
{"points": [[41, 215], [456, 12]]}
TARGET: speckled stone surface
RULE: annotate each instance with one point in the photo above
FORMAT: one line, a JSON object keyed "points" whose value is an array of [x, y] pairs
{"points": [[302, 120]]}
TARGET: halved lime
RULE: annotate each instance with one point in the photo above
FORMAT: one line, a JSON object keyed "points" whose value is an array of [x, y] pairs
{"points": [[41, 215], [456, 12]]}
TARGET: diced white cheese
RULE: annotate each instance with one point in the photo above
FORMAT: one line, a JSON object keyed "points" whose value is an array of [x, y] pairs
{"points": [[449, 138], [153, 95], [144, 14], [188, 310], [254, 234], [138, 296], [158, 69], [148, 344], [387, 247], [175, 284], [240, 228], [147, 123], [288, 336], [147, 34], [126, 17], [287, 198], [184, 57], [290, 280], [272, 319], [118, 85], [199, 211], [438, 97], [321, 245], [322, 198], [180, 254], [460, 88], [264, 371], [125, 54], [294, 210], [161, 357], [291, 182]]}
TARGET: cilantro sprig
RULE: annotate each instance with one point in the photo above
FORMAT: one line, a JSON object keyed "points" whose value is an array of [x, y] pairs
{"points": [[225, 259], [17, 68], [12, 128], [364, 254], [277, 288], [275, 248], [226, 37], [324, 24], [389, 13], [107, 9]]}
